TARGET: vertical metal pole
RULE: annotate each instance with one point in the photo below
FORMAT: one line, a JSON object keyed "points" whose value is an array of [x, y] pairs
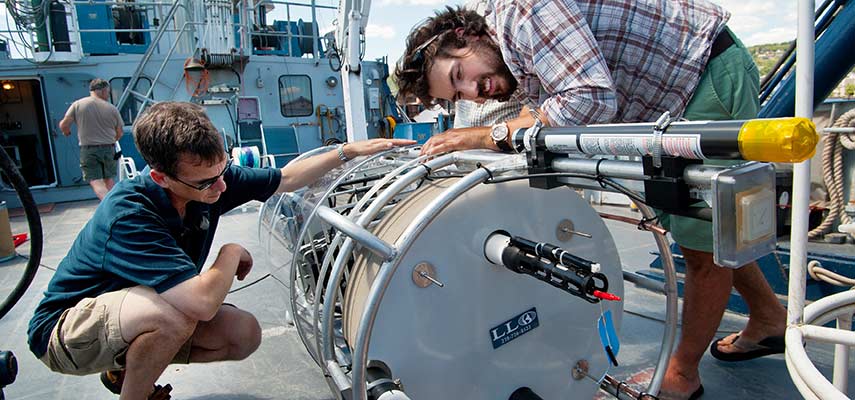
{"points": [[290, 34], [841, 356], [245, 23], [351, 79], [801, 181], [833, 114], [315, 28]]}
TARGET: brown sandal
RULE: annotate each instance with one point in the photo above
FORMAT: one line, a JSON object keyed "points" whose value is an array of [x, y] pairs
{"points": [[113, 380], [161, 392]]}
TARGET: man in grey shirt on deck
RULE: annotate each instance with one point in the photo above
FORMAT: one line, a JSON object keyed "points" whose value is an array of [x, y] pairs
{"points": [[99, 127]]}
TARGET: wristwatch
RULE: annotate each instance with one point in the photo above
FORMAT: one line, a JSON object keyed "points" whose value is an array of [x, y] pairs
{"points": [[499, 135], [341, 156]]}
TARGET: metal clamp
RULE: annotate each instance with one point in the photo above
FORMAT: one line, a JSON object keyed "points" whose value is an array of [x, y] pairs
{"points": [[659, 128], [530, 136]]}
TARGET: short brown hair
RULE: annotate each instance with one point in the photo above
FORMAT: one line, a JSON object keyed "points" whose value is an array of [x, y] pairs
{"points": [[169, 129], [97, 84], [433, 38]]}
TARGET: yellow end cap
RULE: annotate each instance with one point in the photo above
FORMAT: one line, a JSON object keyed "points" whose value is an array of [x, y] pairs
{"points": [[790, 140]]}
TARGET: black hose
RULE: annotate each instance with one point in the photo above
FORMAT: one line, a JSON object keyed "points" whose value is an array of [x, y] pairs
{"points": [[35, 226]]}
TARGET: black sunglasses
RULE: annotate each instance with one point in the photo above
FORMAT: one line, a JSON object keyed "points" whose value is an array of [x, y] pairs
{"points": [[418, 56], [207, 183]]}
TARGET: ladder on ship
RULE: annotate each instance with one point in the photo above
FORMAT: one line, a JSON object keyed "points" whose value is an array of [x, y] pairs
{"points": [[210, 15]]}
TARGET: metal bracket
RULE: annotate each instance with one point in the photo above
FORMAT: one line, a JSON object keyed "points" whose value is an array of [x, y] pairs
{"points": [[538, 158]]}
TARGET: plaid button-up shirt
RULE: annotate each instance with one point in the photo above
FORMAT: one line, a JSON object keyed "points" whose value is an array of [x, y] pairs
{"points": [[470, 113], [602, 61]]}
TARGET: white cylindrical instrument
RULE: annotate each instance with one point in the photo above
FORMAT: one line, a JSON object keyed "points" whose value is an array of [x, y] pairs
{"points": [[398, 274]]}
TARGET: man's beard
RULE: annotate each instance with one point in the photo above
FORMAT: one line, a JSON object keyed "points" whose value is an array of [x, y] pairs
{"points": [[492, 56]]}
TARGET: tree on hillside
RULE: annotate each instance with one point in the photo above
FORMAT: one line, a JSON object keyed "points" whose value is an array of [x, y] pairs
{"points": [[849, 90]]}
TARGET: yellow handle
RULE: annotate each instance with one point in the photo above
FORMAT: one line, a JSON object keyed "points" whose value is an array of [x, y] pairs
{"points": [[392, 124], [790, 140]]}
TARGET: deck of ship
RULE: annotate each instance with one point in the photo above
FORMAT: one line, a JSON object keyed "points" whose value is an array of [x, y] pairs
{"points": [[281, 369]]}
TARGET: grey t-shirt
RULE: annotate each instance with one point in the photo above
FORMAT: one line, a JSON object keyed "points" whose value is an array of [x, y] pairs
{"points": [[96, 119]]}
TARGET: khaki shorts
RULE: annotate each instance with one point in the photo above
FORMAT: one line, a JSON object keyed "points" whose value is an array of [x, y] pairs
{"points": [[98, 162], [87, 338]]}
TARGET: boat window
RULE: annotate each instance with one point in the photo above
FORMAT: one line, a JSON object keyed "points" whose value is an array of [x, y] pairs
{"points": [[132, 105], [295, 95]]}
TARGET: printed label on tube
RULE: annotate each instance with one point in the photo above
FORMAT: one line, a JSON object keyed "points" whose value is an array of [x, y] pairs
{"points": [[561, 143], [686, 146]]}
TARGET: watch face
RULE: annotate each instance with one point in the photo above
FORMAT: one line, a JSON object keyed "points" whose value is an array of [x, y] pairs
{"points": [[499, 132]]}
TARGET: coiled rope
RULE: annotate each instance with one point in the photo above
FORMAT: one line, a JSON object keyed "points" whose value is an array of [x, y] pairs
{"points": [[817, 272], [832, 173]]}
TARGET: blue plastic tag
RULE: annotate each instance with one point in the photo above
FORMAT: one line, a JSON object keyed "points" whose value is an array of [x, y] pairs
{"points": [[608, 336]]}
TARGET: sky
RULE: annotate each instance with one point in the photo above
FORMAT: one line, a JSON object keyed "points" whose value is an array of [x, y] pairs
{"points": [[389, 22], [754, 21]]}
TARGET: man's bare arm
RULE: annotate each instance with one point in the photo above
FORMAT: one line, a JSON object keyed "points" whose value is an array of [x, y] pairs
{"points": [[301, 173], [200, 297], [475, 138], [65, 126]]}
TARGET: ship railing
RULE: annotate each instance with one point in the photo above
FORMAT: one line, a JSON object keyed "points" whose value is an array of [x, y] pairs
{"points": [[805, 321], [248, 30], [243, 26], [138, 72]]}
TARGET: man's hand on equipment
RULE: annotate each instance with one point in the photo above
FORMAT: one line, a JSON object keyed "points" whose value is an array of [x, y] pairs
{"points": [[368, 147], [303, 172], [244, 265], [459, 139]]}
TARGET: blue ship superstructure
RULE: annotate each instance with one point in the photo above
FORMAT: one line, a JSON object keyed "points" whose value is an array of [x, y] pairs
{"points": [[274, 84]]}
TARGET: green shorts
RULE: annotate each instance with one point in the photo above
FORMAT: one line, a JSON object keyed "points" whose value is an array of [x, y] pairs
{"points": [[98, 162], [728, 89]]}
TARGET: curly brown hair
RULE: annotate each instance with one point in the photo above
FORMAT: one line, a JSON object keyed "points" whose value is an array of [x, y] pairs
{"points": [[169, 129], [429, 40]]}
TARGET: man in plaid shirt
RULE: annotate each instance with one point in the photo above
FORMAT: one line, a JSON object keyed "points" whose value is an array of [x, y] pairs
{"points": [[609, 61], [469, 113]]}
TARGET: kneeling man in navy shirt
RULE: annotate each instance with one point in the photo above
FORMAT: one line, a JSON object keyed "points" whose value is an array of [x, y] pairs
{"points": [[130, 297]]}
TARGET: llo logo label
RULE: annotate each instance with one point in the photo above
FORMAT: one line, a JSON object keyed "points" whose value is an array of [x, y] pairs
{"points": [[514, 328]]}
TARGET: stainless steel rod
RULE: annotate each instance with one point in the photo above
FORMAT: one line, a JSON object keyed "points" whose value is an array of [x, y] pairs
{"points": [[697, 175], [357, 233]]}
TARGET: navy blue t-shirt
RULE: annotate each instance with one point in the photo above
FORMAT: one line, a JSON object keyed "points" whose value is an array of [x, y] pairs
{"points": [[136, 237]]}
